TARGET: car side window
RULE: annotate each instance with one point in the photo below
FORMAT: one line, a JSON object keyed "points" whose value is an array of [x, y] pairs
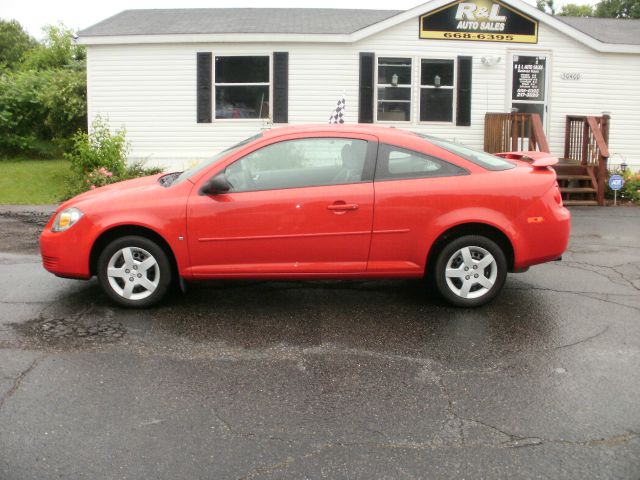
{"points": [[395, 163], [299, 163]]}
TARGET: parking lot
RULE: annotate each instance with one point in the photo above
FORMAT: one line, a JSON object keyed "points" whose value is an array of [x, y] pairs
{"points": [[366, 379]]}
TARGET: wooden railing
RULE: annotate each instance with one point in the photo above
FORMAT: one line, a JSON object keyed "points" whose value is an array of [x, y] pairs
{"points": [[586, 141], [505, 132]]}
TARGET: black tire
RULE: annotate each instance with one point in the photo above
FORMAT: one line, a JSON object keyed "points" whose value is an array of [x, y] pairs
{"points": [[145, 273], [468, 284]]}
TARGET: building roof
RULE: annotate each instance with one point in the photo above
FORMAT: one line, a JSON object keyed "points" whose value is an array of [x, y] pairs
{"points": [[607, 30], [237, 20], [323, 25]]}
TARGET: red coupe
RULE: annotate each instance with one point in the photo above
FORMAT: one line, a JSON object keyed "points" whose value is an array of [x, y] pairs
{"points": [[318, 202]]}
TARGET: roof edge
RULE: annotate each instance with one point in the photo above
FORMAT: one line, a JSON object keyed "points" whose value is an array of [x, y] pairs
{"points": [[524, 7], [356, 36]]}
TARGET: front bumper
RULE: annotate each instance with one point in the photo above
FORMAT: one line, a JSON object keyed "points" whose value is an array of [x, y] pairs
{"points": [[66, 254]]}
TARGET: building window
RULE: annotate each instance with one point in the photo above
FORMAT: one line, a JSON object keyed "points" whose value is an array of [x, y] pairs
{"points": [[241, 87], [437, 85], [394, 89]]}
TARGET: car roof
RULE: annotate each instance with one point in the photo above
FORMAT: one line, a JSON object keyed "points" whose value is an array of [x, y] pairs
{"points": [[385, 133]]}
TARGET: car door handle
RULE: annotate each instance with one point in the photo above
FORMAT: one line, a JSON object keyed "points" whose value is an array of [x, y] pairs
{"points": [[341, 207]]}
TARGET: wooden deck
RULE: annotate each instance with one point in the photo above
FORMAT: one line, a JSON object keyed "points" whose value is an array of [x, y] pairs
{"points": [[582, 169]]}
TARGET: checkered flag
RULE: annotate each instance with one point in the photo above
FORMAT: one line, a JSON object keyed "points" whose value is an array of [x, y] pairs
{"points": [[338, 114]]}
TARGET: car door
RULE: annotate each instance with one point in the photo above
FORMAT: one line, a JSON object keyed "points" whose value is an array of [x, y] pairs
{"points": [[412, 191], [296, 207]]}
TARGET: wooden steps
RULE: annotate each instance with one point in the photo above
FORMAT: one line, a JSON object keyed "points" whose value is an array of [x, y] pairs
{"points": [[577, 183], [578, 203], [582, 171], [571, 177], [577, 190]]}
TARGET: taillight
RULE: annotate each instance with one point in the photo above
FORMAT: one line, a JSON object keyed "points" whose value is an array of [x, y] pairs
{"points": [[557, 196]]}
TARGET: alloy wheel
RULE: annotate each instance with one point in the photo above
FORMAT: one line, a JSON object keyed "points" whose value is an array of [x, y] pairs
{"points": [[471, 272], [133, 273]]}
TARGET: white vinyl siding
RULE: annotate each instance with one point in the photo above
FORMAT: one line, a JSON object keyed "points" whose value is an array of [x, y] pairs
{"points": [[151, 89]]}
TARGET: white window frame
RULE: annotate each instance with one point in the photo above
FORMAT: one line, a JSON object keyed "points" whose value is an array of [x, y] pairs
{"points": [[384, 85], [269, 84], [453, 87]]}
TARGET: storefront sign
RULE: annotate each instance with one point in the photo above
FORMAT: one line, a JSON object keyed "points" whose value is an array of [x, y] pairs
{"points": [[528, 78], [483, 20]]}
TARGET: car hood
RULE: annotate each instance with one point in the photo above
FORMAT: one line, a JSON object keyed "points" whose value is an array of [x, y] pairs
{"points": [[114, 192]]}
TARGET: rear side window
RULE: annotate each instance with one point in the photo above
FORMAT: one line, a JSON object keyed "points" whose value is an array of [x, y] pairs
{"points": [[395, 163], [482, 159]]}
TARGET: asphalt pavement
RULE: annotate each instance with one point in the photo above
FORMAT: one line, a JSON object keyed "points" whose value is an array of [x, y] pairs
{"points": [[357, 380]]}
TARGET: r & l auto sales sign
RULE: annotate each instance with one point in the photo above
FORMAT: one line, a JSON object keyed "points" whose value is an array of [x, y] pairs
{"points": [[480, 20]]}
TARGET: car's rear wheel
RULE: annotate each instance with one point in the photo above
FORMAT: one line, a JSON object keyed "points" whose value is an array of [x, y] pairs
{"points": [[134, 271], [470, 271]]}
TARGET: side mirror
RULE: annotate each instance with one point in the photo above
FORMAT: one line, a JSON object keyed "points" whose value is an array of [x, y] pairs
{"points": [[215, 185]]}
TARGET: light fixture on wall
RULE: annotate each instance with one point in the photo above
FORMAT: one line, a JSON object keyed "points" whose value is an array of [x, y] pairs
{"points": [[436, 81], [394, 80], [491, 60]]}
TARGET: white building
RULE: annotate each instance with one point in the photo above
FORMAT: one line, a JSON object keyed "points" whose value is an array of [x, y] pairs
{"points": [[187, 83]]}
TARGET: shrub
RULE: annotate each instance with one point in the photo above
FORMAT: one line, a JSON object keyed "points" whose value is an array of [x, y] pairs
{"points": [[42, 90], [21, 114], [64, 102], [38, 106], [99, 158]]}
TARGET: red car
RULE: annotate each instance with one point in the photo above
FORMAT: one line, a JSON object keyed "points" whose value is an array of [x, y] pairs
{"points": [[318, 202]]}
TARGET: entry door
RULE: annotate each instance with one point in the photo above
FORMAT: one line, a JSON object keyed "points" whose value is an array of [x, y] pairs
{"points": [[529, 83], [297, 207]]}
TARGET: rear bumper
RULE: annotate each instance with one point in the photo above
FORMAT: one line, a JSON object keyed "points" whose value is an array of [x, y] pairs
{"points": [[544, 241]]}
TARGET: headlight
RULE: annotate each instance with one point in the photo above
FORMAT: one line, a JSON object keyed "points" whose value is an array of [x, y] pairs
{"points": [[66, 219]]}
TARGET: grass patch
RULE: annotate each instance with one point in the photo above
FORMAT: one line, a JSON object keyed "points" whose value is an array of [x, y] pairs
{"points": [[32, 182]]}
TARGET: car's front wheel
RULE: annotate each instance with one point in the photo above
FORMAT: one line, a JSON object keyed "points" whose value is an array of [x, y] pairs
{"points": [[134, 271], [470, 271]]}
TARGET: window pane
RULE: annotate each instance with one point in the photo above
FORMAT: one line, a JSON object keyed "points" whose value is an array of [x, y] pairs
{"points": [[394, 111], [398, 163], [242, 69], [403, 163], [242, 102], [484, 159], [530, 108], [436, 105], [300, 163], [394, 93], [401, 67], [441, 68]]}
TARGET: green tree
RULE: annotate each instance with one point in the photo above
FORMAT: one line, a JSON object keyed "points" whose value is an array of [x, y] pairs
{"points": [[618, 9], [575, 10], [547, 6], [14, 43], [43, 99], [57, 50]]}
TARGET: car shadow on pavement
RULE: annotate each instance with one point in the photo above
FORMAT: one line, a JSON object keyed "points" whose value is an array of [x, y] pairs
{"points": [[389, 317]]}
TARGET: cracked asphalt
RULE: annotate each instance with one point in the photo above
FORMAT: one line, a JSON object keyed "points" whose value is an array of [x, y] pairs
{"points": [[368, 379]]}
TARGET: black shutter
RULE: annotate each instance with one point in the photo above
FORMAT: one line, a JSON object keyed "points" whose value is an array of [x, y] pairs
{"points": [[204, 87], [463, 110], [280, 87], [365, 97]]}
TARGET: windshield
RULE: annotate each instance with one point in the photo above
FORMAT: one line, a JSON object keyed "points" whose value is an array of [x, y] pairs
{"points": [[205, 163], [483, 159]]}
